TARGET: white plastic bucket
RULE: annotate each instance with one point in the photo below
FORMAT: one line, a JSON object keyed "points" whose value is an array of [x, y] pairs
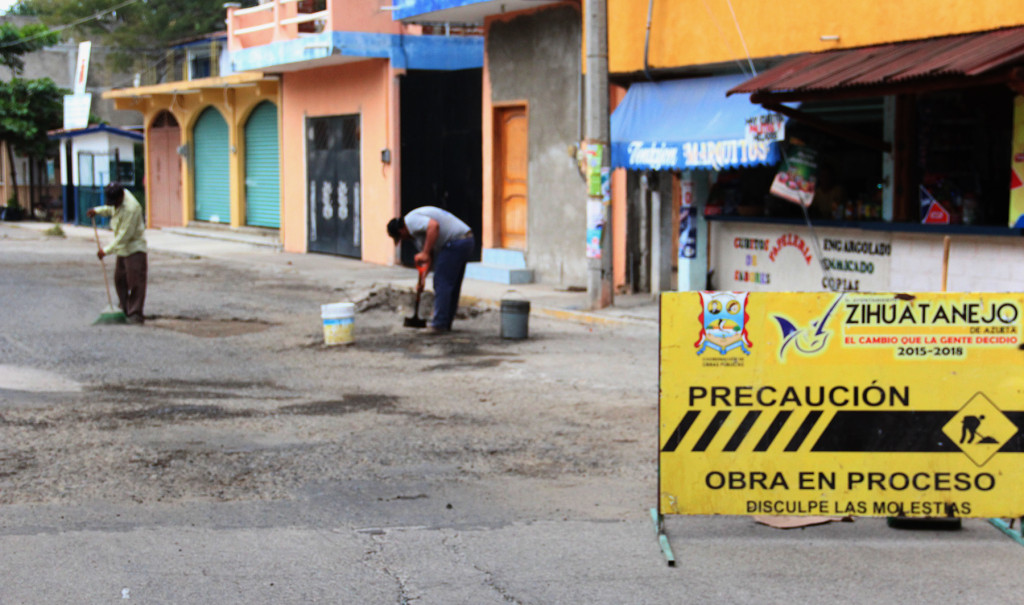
{"points": [[339, 321]]}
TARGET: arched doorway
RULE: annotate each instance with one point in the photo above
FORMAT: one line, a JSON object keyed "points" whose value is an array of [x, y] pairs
{"points": [[163, 167]]}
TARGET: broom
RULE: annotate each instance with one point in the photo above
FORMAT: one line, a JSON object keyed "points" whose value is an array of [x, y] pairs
{"points": [[110, 315]]}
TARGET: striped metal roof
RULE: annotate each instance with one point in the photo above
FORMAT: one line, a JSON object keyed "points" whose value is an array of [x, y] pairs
{"points": [[962, 55]]}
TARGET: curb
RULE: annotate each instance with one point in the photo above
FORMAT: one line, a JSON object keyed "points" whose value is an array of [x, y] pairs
{"points": [[582, 317], [226, 236], [75, 234]]}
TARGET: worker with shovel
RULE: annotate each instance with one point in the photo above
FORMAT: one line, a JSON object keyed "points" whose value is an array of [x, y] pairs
{"points": [[445, 245], [129, 245]]}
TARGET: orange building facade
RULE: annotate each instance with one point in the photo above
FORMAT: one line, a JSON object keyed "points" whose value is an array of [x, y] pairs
{"points": [[305, 135]]}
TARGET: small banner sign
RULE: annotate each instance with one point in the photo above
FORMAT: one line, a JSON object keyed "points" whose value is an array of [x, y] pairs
{"points": [[797, 176]]}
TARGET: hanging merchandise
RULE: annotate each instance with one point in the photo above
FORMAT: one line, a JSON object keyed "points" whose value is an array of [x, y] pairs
{"points": [[797, 176]]}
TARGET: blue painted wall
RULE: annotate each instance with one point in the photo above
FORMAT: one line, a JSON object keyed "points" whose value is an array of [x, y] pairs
{"points": [[412, 8], [404, 52]]}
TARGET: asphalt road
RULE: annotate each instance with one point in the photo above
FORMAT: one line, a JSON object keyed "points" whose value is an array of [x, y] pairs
{"points": [[222, 454]]}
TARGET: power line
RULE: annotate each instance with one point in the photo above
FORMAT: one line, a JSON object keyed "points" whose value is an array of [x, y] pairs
{"points": [[721, 33], [743, 40], [154, 66], [69, 25]]}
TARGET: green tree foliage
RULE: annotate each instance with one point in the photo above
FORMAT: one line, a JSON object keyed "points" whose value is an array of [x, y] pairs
{"points": [[138, 33], [21, 9], [28, 109], [16, 41]]}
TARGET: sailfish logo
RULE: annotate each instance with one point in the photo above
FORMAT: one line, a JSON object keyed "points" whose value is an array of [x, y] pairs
{"points": [[810, 340]]}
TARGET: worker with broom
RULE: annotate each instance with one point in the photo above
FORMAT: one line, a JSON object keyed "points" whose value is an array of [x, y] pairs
{"points": [[445, 245], [129, 245]]}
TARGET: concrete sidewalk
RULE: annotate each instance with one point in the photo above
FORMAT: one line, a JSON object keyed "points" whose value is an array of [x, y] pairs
{"points": [[256, 249]]}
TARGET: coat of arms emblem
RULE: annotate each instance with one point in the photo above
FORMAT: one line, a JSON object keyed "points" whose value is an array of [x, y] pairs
{"points": [[724, 322]]}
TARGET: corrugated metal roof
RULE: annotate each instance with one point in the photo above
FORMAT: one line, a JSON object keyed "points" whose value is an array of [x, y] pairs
{"points": [[962, 55]]}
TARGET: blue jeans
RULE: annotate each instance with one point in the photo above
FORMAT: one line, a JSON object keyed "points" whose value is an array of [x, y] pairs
{"points": [[449, 269]]}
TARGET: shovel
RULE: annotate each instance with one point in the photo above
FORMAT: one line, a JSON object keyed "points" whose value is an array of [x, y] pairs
{"points": [[416, 321]]}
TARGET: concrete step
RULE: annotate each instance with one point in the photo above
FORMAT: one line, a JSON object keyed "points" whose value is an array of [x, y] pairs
{"points": [[501, 265], [504, 257], [501, 275]]}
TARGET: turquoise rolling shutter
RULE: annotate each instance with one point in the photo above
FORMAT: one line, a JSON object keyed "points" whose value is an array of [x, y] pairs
{"points": [[212, 173], [262, 168]]}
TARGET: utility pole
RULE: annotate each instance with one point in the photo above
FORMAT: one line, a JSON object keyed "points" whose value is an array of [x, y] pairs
{"points": [[600, 292]]}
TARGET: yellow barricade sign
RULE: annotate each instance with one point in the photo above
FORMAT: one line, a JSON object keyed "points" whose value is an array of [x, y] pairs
{"points": [[842, 404]]}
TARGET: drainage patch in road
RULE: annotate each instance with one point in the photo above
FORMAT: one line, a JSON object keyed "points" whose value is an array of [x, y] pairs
{"points": [[208, 327], [364, 402]]}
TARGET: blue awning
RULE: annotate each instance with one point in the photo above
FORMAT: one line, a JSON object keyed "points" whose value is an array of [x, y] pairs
{"points": [[687, 124]]}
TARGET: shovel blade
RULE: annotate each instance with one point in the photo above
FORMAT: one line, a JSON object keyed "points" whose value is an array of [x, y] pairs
{"points": [[415, 322]]}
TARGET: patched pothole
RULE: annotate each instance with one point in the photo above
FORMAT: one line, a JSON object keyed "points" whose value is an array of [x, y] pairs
{"points": [[181, 412], [184, 390], [348, 405], [207, 327]]}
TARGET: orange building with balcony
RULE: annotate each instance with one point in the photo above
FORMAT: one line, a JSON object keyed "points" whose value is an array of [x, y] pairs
{"points": [[322, 125]]}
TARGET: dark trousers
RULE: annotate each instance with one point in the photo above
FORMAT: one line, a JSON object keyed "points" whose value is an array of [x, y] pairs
{"points": [[449, 269], [130, 274]]}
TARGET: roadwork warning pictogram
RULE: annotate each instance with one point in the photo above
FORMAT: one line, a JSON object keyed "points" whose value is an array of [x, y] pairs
{"points": [[980, 429]]}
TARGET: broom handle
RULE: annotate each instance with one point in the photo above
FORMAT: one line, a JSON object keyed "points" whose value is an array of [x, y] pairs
{"points": [[106, 280]]}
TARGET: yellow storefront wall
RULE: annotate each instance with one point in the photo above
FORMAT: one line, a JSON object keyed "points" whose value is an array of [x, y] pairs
{"points": [[697, 33], [233, 96]]}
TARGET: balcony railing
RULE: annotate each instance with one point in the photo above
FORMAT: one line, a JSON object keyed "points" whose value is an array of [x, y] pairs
{"points": [[184, 63], [277, 20]]}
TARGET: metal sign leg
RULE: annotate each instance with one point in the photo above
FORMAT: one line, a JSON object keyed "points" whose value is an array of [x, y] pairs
{"points": [[659, 528], [1007, 528]]}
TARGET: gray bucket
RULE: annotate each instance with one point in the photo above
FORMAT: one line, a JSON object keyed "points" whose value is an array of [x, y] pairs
{"points": [[515, 319]]}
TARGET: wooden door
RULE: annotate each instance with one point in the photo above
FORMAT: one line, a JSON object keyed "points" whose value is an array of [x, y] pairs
{"points": [[164, 172], [511, 165]]}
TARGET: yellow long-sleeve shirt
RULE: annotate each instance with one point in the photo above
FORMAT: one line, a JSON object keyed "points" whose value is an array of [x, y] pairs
{"points": [[128, 225]]}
